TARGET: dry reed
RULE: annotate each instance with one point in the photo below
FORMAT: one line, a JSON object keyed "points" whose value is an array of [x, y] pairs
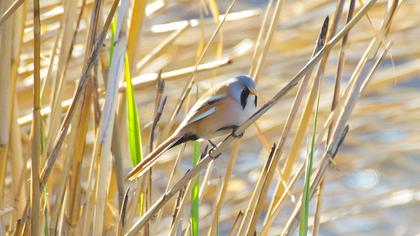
{"points": [[64, 147]]}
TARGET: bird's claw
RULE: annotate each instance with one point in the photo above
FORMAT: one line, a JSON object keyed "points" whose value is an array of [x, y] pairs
{"points": [[204, 153], [212, 156], [212, 144], [235, 135], [209, 152]]}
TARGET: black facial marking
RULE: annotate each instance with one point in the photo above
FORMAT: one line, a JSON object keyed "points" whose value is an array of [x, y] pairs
{"points": [[244, 97], [255, 101]]}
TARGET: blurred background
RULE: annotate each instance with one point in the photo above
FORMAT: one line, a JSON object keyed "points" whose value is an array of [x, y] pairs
{"points": [[373, 186]]}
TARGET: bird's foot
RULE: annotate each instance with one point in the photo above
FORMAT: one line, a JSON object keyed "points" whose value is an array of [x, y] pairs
{"points": [[234, 129], [212, 148], [235, 132], [210, 152], [212, 144], [205, 152]]}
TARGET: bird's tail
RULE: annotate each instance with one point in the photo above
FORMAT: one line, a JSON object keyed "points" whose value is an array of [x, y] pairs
{"points": [[152, 157]]}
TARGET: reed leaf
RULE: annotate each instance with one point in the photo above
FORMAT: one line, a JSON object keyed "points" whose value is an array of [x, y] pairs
{"points": [[195, 198], [304, 215], [134, 132], [45, 207]]}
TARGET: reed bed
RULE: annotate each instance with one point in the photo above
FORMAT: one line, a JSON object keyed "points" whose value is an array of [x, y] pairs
{"points": [[89, 87]]}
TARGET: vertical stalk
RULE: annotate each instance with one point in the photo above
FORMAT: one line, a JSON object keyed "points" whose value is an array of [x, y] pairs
{"points": [[36, 128], [5, 88], [195, 200]]}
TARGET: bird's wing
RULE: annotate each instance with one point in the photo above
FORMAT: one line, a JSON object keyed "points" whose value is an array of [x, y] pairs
{"points": [[202, 115], [204, 108]]}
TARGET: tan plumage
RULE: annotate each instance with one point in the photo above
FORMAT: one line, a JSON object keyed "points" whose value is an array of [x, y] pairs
{"points": [[218, 112]]}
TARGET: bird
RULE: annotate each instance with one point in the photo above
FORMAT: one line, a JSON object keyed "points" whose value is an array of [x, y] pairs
{"points": [[219, 111]]}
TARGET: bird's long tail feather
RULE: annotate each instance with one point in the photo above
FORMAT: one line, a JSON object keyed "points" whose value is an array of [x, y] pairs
{"points": [[152, 157]]}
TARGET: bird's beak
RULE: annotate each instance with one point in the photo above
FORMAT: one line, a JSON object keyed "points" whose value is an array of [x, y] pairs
{"points": [[253, 91]]}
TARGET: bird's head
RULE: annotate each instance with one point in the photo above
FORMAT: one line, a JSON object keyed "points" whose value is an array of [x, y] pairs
{"points": [[248, 83]]}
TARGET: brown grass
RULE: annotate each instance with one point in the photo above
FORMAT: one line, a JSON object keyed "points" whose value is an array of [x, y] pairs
{"points": [[64, 148]]}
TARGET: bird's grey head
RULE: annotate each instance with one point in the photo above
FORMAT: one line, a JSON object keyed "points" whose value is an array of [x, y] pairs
{"points": [[240, 87], [247, 82]]}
